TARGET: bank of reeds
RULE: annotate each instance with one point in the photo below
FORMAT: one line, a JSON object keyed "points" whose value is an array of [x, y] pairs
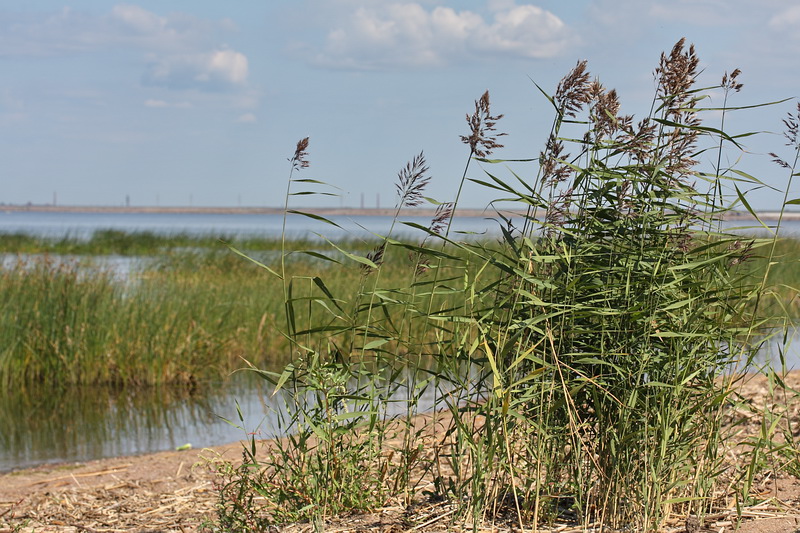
{"points": [[142, 243], [584, 361], [179, 318]]}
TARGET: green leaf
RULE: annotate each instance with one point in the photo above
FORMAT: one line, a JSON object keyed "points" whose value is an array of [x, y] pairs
{"points": [[377, 343], [254, 261], [314, 216]]}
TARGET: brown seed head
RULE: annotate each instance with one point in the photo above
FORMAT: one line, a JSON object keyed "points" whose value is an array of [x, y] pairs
{"points": [[729, 83], [573, 91], [676, 74], [299, 160], [411, 182], [792, 123], [481, 123], [376, 256], [442, 216]]}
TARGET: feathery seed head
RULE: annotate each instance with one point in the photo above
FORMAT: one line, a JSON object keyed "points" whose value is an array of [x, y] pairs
{"points": [[573, 91], [729, 83], [411, 182], [299, 160], [676, 74], [481, 123]]}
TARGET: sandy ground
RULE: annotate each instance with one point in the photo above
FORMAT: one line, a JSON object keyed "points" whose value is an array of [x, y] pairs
{"points": [[175, 492]]}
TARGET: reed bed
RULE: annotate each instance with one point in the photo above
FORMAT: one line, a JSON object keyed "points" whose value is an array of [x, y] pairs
{"points": [[182, 318], [144, 243], [582, 364]]}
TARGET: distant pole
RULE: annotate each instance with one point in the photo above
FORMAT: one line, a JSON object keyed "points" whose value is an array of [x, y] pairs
{"points": [[127, 200]]}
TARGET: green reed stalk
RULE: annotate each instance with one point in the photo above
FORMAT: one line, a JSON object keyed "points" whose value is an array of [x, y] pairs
{"points": [[584, 356]]}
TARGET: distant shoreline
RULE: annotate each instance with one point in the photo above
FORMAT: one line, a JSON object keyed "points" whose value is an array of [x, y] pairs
{"points": [[323, 211]]}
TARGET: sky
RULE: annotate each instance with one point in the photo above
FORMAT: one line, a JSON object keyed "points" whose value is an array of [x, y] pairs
{"points": [[201, 103]]}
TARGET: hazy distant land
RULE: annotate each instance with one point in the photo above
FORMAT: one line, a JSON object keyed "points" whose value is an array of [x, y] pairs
{"points": [[323, 211]]}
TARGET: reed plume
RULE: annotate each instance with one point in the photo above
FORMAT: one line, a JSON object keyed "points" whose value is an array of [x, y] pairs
{"points": [[411, 182], [299, 160], [481, 123]]}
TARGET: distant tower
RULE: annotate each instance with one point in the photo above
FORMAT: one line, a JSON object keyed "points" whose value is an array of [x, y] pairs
{"points": [[127, 200]]}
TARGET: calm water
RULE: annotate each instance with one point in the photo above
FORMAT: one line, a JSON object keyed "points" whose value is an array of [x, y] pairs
{"points": [[41, 426], [77, 424], [84, 224]]}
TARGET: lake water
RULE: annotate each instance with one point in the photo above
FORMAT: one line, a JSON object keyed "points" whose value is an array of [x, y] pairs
{"points": [[82, 225], [42, 426]]}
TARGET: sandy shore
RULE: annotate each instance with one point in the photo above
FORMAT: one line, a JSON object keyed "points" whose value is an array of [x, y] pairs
{"points": [[175, 492]]}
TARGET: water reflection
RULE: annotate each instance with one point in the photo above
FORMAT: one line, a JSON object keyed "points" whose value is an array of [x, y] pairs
{"points": [[40, 425]]}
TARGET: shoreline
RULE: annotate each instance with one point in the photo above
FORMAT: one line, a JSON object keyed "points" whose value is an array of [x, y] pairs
{"points": [[178, 491], [323, 211]]}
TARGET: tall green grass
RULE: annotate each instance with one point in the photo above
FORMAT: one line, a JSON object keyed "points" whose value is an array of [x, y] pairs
{"points": [[143, 243], [582, 364], [184, 317]]}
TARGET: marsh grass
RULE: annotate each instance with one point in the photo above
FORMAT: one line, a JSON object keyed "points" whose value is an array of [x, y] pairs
{"points": [[183, 317], [584, 360], [145, 243]]}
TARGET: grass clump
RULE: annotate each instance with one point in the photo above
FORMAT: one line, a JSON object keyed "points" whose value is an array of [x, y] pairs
{"points": [[581, 366]]}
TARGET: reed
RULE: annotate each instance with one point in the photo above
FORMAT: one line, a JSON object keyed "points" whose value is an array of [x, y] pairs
{"points": [[583, 361], [144, 243], [183, 317]]}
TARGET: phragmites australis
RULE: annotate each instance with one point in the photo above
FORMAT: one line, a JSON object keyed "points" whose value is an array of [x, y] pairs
{"points": [[441, 217], [481, 123], [411, 181], [439, 222], [299, 160], [604, 111], [376, 256], [573, 91], [676, 74], [792, 123], [729, 82], [551, 159]]}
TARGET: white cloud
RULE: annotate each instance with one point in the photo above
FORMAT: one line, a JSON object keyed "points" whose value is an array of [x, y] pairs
{"points": [[395, 34], [178, 50], [163, 104], [139, 19], [246, 118], [788, 19], [213, 71], [70, 31]]}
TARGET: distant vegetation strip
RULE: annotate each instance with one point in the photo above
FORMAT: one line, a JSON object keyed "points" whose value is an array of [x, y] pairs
{"points": [[463, 212], [194, 310], [145, 243]]}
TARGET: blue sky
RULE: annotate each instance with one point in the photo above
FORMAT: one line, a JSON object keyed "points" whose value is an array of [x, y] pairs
{"points": [[200, 102]]}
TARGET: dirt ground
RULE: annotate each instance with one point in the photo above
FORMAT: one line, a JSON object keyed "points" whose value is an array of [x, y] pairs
{"points": [[174, 492]]}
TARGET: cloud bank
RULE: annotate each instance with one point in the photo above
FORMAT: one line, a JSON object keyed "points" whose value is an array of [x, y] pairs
{"points": [[179, 50], [395, 34]]}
